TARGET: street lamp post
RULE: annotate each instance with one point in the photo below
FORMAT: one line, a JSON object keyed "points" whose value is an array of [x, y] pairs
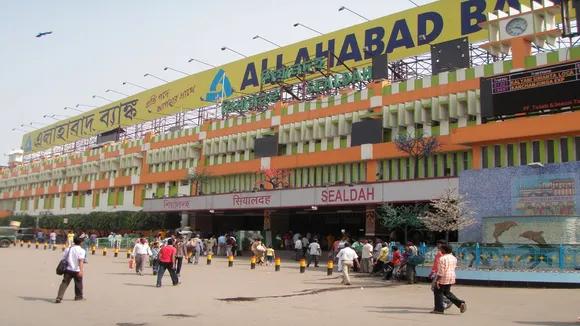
{"points": [[150, 75], [38, 123], [103, 98], [199, 61], [236, 52], [114, 91], [315, 31], [17, 129], [23, 125], [179, 71], [361, 16], [69, 108], [259, 37], [128, 83], [88, 106]]}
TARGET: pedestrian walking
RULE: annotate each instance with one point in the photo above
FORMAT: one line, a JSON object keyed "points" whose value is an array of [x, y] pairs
{"points": [[445, 279], [181, 252], [52, 239], [155, 257], [141, 253], [366, 257], [75, 258], [348, 258], [298, 248], [411, 251], [167, 262], [433, 274], [314, 253]]}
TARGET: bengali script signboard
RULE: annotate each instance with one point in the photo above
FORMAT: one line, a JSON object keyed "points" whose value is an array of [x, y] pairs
{"points": [[401, 35], [421, 190]]}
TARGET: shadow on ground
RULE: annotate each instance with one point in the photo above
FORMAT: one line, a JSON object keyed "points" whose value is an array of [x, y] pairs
{"points": [[37, 299]]}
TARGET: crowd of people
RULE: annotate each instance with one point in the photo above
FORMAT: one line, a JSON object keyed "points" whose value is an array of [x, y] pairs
{"points": [[364, 255]]}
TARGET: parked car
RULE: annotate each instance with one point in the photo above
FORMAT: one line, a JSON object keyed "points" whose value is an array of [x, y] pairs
{"points": [[26, 234], [7, 236]]}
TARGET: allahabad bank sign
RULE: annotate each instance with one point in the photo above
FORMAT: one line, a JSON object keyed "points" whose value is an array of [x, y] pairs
{"points": [[397, 35]]}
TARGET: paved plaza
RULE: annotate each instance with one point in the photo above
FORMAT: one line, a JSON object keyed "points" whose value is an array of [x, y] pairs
{"points": [[116, 296]]}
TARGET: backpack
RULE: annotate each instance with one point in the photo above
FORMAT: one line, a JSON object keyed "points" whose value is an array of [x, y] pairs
{"points": [[192, 244], [416, 260]]}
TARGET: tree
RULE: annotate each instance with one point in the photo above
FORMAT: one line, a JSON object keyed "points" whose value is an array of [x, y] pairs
{"points": [[418, 146], [404, 217], [198, 179], [276, 177], [450, 212]]}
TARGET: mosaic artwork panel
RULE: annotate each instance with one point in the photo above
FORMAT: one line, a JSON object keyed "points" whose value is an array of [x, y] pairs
{"points": [[492, 193]]}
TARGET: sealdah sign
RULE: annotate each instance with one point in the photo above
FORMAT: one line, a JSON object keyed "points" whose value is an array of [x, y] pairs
{"points": [[348, 195]]}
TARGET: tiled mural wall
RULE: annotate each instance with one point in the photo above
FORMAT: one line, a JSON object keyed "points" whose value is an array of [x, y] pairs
{"points": [[523, 204]]}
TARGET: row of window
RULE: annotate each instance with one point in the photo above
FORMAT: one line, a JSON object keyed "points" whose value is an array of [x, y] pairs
{"points": [[560, 150]]}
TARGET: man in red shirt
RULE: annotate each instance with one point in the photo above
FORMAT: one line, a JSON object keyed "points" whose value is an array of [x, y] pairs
{"points": [[433, 274], [394, 263], [167, 262]]}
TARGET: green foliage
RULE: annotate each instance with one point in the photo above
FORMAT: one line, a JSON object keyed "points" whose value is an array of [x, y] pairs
{"points": [[106, 222], [25, 221], [393, 217]]}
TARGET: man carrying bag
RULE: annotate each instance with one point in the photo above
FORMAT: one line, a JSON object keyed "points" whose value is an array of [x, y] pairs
{"points": [[71, 267]]}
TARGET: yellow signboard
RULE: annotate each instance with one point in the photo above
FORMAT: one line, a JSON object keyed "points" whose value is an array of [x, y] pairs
{"points": [[397, 35]]}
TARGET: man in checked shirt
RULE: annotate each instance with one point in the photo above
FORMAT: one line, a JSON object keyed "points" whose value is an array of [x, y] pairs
{"points": [[446, 278], [433, 275]]}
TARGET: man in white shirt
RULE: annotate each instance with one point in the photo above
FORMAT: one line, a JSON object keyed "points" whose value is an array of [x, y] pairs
{"points": [[141, 253], [367, 257], [52, 238], [298, 248], [75, 257], [348, 258], [315, 252]]}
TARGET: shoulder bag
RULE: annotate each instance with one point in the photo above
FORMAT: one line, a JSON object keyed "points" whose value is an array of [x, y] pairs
{"points": [[63, 264]]}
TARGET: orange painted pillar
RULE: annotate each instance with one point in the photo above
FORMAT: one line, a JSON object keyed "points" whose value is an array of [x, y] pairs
{"points": [[371, 171], [476, 149], [521, 48], [137, 195]]}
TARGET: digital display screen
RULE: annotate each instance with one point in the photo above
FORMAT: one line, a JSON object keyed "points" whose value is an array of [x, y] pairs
{"points": [[528, 91], [367, 132]]}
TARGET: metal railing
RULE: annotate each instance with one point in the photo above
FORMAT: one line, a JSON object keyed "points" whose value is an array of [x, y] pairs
{"points": [[507, 256]]}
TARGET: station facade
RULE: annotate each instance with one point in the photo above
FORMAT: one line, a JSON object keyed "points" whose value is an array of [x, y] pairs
{"points": [[332, 184]]}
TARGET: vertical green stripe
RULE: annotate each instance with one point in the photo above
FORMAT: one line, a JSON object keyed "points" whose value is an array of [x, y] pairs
{"points": [[402, 175], [450, 161], [347, 178], [385, 172], [571, 157], [503, 155], [340, 168], [332, 174], [429, 166], [543, 157], [490, 157], [515, 154], [318, 173], [311, 175], [529, 154], [362, 172], [325, 174], [557, 157]]}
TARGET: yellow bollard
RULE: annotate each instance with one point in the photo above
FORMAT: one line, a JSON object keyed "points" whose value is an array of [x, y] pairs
{"points": [[45, 246], [302, 265], [54, 247], [104, 251], [14, 242], [116, 252], [36, 244], [63, 247], [253, 262], [209, 259], [28, 243], [277, 264], [128, 253], [231, 261], [329, 267], [21, 243]]}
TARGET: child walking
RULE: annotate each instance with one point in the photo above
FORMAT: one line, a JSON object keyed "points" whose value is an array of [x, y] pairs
{"points": [[155, 257], [270, 255]]}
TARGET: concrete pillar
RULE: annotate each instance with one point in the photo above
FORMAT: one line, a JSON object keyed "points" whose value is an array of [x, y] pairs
{"points": [[184, 219], [370, 221]]}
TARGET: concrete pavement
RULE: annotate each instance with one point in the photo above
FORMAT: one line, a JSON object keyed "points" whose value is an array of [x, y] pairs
{"points": [[116, 296]]}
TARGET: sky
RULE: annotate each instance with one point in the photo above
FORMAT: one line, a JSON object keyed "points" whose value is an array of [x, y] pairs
{"points": [[97, 45]]}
